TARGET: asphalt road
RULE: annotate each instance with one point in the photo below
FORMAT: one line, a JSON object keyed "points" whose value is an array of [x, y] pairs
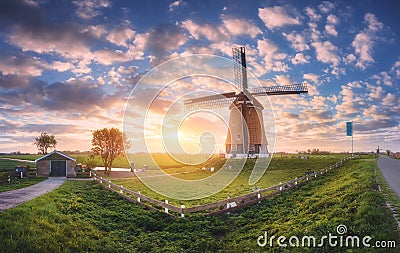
{"points": [[13, 198], [391, 172]]}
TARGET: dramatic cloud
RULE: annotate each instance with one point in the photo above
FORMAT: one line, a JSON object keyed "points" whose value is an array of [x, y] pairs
{"points": [[364, 41], [90, 8], [276, 17], [22, 65], [331, 21], [297, 40], [312, 77], [312, 14], [300, 58], [176, 4], [326, 52], [230, 27], [108, 57], [121, 37], [326, 6], [273, 59], [161, 39], [237, 27]]}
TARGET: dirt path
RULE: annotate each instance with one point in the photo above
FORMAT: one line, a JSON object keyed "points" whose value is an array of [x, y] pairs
{"points": [[13, 198], [391, 172]]}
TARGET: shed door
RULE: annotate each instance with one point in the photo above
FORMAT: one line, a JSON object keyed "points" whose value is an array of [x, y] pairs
{"points": [[58, 169]]}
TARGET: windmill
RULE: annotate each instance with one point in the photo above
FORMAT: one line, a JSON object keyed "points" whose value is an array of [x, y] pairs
{"points": [[246, 134]]}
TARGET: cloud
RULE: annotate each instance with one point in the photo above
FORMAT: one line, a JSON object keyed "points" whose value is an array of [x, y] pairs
{"points": [[49, 128], [22, 65], [326, 52], [108, 56], [121, 37], [208, 31], [61, 66], [276, 17], [283, 80], [331, 20], [174, 5], [230, 27], [312, 77], [273, 59], [90, 8], [312, 14], [297, 41], [383, 78], [350, 105], [376, 92], [161, 39], [389, 100], [300, 58], [237, 27], [326, 6], [364, 41], [376, 124], [75, 95]]}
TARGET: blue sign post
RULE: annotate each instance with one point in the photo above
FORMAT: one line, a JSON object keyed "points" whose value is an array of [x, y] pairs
{"points": [[349, 132]]}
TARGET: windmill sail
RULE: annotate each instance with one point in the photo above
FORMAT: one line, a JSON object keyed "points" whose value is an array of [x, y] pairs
{"points": [[279, 90], [239, 68], [213, 101]]}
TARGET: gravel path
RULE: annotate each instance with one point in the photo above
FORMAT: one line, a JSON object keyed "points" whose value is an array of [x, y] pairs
{"points": [[391, 172], [13, 198]]}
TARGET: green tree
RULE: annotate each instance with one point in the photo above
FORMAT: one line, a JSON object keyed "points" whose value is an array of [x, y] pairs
{"points": [[108, 143], [44, 142]]}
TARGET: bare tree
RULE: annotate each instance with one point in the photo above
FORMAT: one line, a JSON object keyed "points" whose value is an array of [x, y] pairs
{"points": [[44, 142], [108, 143]]}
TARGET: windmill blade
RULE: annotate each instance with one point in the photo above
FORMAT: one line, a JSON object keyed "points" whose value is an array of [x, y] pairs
{"points": [[213, 101], [239, 67], [279, 90]]}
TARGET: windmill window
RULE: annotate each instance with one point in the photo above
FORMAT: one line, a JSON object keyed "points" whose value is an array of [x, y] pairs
{"points": [[238, 137]]}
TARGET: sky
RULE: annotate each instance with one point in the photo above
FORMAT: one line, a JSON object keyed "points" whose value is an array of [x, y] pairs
{"points": [[68, 67]]}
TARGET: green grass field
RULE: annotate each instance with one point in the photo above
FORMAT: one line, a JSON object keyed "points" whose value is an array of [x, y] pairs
{"points": [[83, 217], [281, 169], [5, 167]]}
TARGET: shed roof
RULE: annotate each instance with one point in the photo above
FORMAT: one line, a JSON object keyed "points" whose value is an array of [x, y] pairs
{"points": [[55, 152]]}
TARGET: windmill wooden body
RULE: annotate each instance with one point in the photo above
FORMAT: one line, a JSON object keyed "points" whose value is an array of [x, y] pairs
{"points": [[246, 134]]}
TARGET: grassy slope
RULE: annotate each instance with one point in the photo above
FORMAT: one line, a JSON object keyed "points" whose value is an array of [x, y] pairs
{"points": [[80, 216]]}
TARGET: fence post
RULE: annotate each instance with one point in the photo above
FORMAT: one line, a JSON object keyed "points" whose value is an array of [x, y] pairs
{"points": [[138, 198], [109, 185], [9, 179], [307, 178], [182, 214], [166, 209], [259, 196], [295, 182], [121, 189], [22, 174], [315, 174], [101, 180], [90, 173]]}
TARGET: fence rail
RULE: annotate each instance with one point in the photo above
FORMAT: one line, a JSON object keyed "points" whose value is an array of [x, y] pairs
{"points": [[218, 207]]}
